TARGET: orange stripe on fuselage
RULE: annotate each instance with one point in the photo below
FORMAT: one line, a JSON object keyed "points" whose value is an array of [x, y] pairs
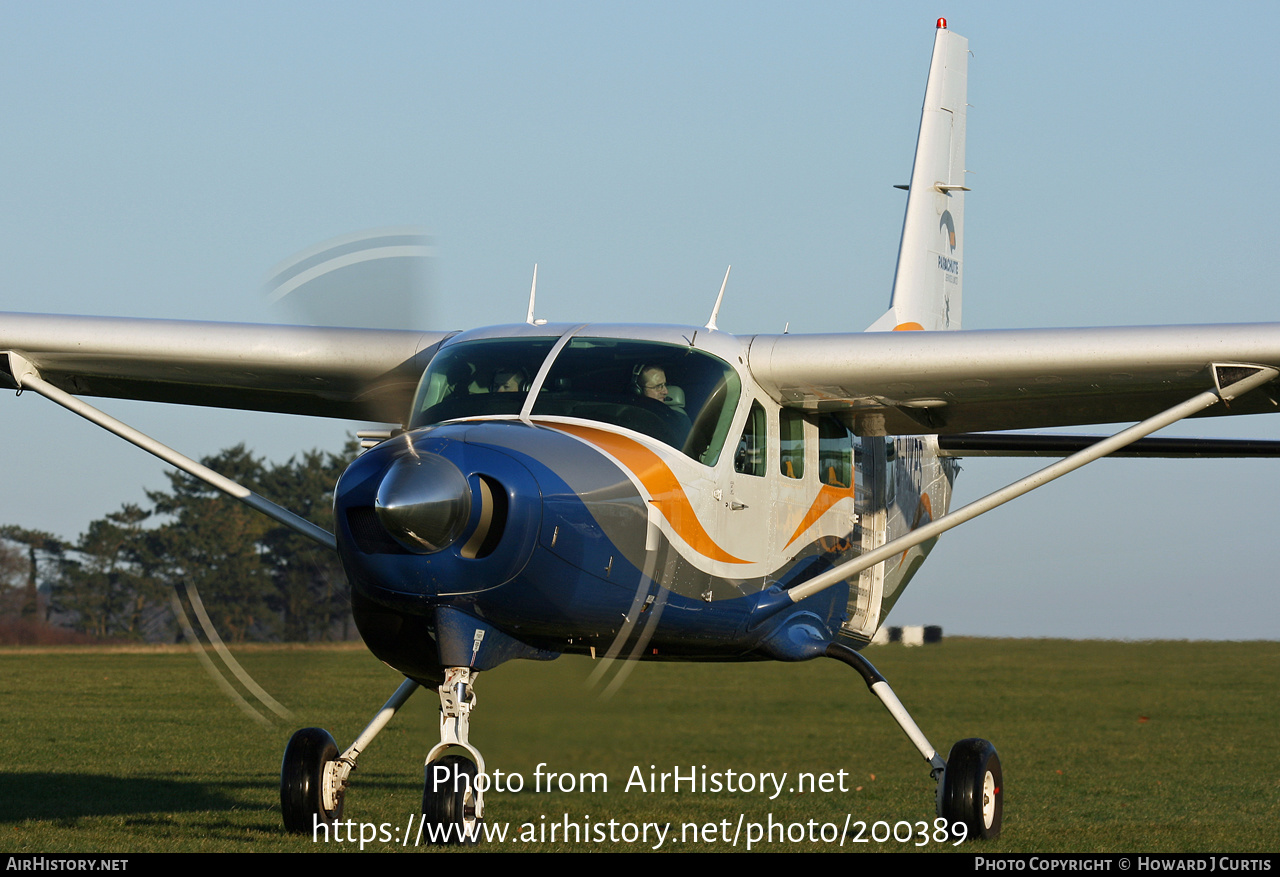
{"points": [[924, 509], [826, 498], [908, 327], [664, 488]]}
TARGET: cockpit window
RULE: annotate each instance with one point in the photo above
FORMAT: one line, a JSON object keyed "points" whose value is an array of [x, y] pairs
{"points": [[478, 379], [674, 393], [678, 395]]}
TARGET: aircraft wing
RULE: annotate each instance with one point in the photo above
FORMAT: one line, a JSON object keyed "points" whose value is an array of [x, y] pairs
{"points": [[359, 374], [974, 381]]}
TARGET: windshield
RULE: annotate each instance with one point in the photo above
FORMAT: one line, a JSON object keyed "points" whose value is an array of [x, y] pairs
{"points": [[680, 396], [674, 393], [478, 379]]}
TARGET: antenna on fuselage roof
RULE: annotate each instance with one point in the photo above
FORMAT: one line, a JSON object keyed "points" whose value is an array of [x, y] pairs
{"points": [[533, 294], [715, 311]]}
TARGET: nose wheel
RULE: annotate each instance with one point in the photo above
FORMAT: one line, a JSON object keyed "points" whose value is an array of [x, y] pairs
{"points": [[449, 802]]}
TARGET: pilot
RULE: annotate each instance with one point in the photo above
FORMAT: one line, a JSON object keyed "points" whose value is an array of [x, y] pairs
{"points": [[651, 381], [508, 380]]}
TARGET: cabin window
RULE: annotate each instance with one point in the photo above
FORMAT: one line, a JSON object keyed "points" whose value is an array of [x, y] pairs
{"points": [[751, 457], [791, 442], [835, 452]]}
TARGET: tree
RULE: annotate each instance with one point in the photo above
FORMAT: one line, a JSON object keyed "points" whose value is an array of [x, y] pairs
{"points": [[312, 596], [110, 582], [257, 578], [13, 574], [38, 542], [215, 544]]}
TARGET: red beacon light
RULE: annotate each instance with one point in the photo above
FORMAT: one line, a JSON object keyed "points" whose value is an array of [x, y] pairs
{"points": [[942, 24]]}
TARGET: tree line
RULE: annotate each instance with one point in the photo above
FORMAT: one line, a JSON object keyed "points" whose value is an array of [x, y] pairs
{"points": [[257, 579]]}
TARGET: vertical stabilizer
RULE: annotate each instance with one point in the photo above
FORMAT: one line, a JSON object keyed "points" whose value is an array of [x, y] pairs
{"points": [[926, 284]]}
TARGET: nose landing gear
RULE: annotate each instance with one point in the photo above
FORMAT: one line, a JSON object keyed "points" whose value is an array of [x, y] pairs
{"points": [[452, 802]]}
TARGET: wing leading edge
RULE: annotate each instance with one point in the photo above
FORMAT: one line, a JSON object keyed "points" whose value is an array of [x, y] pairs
{"points": [[974, 381], [900, 382], [358, 374]]}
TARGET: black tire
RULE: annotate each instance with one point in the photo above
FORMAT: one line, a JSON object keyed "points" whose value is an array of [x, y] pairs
{"points": [[302, 780], [973, 788], [451, 802]]}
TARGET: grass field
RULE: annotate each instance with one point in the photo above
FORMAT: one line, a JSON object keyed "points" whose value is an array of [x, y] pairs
{"points": [[1106, 746]]}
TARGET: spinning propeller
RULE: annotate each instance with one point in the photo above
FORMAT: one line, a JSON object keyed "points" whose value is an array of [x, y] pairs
{"points": [[377, 279]]}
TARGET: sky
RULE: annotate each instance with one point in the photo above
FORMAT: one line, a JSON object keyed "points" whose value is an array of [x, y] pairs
{"points": [[160, 158]]}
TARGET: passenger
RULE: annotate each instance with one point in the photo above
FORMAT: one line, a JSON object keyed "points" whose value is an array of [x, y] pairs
{"points": [[457, 379]]}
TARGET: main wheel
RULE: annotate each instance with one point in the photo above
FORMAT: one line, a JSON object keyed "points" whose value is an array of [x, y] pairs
{"points": [[973, 788], [449, 802], [302, 794]]}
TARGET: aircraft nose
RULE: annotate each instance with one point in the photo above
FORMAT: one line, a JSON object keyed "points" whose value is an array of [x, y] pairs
{"points": [[424, 502]]}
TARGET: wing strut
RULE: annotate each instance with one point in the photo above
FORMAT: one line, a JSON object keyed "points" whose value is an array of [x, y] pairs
{"points": [[26, 376], [1242, 380]]}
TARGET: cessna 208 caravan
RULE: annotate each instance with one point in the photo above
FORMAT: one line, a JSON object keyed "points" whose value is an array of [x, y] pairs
{"points": [[662, 492]]}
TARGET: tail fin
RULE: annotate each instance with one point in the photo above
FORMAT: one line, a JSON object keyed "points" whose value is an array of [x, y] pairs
{"points": [[926, 284]]}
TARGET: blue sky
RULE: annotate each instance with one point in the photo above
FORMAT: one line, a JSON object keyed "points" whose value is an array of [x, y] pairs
{"points": [[160, 158]]}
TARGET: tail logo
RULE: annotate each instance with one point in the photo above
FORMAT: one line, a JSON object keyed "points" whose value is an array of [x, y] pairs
{"points": [[947, 229], [949, 225]]}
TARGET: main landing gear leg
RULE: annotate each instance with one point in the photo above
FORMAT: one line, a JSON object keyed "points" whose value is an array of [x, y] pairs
{"points": [[313, 776], [452, 802], [970, 784]]}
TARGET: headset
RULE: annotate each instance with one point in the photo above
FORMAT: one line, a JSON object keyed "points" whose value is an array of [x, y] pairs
{"points": [[637, 378]]}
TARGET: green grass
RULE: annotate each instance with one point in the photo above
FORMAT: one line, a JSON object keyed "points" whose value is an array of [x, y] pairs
{"points": [[1105, 746]]}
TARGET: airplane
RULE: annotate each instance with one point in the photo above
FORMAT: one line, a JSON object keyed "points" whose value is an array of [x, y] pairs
{"points": [[662, 492]]}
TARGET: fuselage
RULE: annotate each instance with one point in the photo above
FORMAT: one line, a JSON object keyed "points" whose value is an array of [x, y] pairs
{"points": [[544, 497]]}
